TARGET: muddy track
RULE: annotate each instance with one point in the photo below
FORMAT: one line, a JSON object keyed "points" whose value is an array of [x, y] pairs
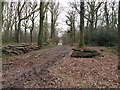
{"points": [[32, 72]]}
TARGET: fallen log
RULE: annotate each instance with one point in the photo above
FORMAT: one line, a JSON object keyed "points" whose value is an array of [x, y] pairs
{"points": [[15, 53], [84, 50], [84, 53]]}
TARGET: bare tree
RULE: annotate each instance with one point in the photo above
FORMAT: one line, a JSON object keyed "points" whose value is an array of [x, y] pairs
{"points": [[71, 23], [91, 14], [20, 8], [33, 23], [19, 12], [55, 11], [113, 21], [25, 23], [93, 11], [8, 21]]}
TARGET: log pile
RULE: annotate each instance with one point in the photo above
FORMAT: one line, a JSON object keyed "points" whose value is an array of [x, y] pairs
{"points": [[18, 49], [84, 53]]}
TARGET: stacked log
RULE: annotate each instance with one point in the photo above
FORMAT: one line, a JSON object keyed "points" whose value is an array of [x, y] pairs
{"points": [[18, 49]]}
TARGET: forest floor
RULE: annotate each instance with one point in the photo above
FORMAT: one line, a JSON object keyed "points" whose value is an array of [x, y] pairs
{"points": [[55, 68]]}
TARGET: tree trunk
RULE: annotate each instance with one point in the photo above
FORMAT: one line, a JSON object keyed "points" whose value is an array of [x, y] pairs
{"points": [[26, 25], [25, 34], [18, 31], [15, 34], [81, 43], [119, 28], [119, 38], [1, 10], [96, 20], [52, 28], [19, 24], [46, 28], [11, 32], [92, 18], [54, 9], [31, 31], [10, 22], [40, 36], [52, 25], [106, 16], [30, 36], [74, 30]]}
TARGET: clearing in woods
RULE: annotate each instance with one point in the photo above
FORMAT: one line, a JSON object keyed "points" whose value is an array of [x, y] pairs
{"points": [[55, 68]]}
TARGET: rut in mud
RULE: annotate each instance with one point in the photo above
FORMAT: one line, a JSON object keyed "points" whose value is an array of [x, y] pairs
{"points": [[32, 72]]}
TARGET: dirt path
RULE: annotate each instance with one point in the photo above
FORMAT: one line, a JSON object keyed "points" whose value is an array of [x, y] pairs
{"points": [[32, 71], [55, 68]]}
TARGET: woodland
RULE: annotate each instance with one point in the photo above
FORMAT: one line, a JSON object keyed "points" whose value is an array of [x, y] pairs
{"points": [[44, 44]]}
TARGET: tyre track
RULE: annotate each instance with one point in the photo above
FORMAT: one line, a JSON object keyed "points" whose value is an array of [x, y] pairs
{"points": [[22, 74]]}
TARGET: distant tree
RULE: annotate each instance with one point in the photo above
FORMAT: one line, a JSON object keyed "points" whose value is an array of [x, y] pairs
{"points": [[113, 20], [71, 23], [25, 23], [8, 21], [20, 18], [19, 12], [93, 12], [55, 11], [32, 18]]}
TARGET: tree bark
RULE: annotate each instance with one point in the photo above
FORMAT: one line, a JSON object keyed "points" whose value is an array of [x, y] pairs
{"points": [[46, 28], [106, 16], [52, 26], [31, 37], [119, 38], [74, 30], [19, 27], [15, 35], [1, 15], [81, 43], [31, 31], [19, 23], [25, 34], [96, 20], [40, 36], [119, 28], [92, 17]]}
